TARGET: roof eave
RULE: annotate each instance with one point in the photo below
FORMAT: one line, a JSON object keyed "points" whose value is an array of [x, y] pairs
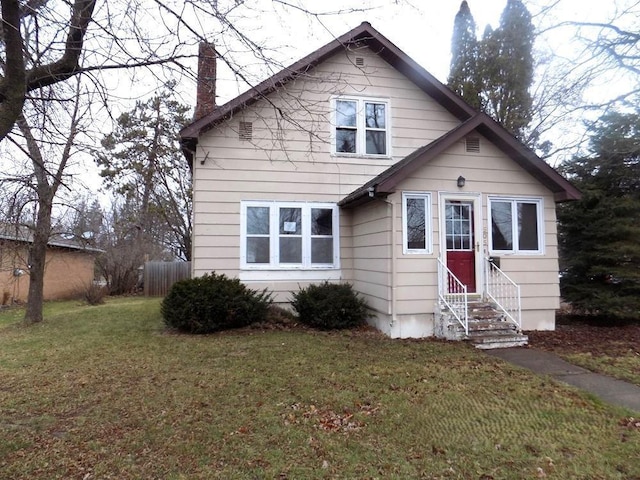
{"points": [[272, 83], [562, 189], [387, 181], [188, 146]]}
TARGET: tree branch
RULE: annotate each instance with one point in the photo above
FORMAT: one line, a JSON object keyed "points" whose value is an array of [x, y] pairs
{"points": [[68, 64]]}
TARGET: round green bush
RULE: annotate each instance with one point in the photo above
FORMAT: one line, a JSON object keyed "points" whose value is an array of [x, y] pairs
{"points": [[330, 306], [213, 302]]}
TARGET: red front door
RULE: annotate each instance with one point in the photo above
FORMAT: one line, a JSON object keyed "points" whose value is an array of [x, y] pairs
{"points": [[460, 242]]}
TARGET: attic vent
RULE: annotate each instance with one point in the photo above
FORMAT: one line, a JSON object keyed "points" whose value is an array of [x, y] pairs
{"points": [[473, 144], [359, 62], [245, 131]]}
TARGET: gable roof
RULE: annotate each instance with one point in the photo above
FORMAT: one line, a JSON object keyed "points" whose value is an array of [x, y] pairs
{"points": [[383, 184], [386, 182], [362, 35]]}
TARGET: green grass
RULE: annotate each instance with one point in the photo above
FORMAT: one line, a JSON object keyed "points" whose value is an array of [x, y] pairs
{"points": [[625, 367], [104, 392]]}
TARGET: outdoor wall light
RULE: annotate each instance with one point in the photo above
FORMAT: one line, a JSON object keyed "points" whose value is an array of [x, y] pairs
{"points": [[461, 181]]}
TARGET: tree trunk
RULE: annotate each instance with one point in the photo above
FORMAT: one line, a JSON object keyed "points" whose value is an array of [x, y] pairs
{"points": [[37, 261], [12, 83]]}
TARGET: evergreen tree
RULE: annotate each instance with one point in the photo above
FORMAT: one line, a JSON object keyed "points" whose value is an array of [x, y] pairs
{"points": [[141, 160], [463, 75], [496, 73], [86, 222], [598, 235], [507, 69]]}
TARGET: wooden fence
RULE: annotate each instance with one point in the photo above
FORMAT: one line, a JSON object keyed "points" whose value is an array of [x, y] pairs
{"points": [[159, 276]]}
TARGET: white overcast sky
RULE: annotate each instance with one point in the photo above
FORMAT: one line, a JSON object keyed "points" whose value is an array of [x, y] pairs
{"points": [[421, 28]]}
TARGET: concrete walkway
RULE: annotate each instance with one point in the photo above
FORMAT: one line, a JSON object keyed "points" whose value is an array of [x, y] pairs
{"points": [[611, 390]]}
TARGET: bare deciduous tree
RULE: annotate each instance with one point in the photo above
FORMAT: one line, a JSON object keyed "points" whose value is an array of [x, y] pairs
{"points": [[595, 68], [45, 42], [47, 135], [27, 67]]}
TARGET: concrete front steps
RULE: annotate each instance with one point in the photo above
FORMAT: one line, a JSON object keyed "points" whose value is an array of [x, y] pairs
{"points": [[488, 328]]}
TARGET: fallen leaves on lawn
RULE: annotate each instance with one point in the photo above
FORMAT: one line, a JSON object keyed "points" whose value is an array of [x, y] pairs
{"points": [[630, 423], [329, 420], [582, 337]]}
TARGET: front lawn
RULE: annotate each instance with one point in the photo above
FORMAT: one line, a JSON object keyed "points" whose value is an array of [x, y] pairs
{"points": [[104, 392]]}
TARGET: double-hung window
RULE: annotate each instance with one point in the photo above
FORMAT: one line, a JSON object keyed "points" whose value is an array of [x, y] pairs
{"points": [[289, 235], [361, 126], [516, 225], [416, 222]]}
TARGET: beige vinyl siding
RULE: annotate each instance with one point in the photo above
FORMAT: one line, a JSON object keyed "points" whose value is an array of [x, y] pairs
{"points": [[286, 163], [416, 274], [371, 255], [488, 173]]}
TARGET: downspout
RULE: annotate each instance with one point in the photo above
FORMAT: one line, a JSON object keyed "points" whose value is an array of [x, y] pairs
{"points": [[393, 280], [394, 273]]}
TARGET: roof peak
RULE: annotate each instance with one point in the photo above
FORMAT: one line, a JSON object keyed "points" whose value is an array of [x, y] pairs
{"points": [[364, 32]]}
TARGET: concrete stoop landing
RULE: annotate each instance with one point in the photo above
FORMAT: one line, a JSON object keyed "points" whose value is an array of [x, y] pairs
{"points": [[488, 328]]}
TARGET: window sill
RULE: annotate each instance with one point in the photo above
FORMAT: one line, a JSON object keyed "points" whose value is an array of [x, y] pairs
{"points": [[282, 275], [361, 155], [515, 254]]}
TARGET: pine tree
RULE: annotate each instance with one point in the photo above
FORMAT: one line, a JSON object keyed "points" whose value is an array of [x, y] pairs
{"points": [[141, 160], [598, 235], [463, 75], [506, 60], [496, 73]]}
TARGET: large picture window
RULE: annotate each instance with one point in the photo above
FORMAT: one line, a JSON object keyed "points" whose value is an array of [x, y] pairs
{"points": [[361, 126], [289, 235], [516, 225], [416, 222]]}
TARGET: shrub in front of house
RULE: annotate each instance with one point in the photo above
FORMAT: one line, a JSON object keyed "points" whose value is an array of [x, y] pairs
{"points": [[330, 306], [213, 302]]}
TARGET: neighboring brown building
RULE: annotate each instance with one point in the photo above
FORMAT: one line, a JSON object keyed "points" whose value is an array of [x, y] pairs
{"points": [[69, 267]]}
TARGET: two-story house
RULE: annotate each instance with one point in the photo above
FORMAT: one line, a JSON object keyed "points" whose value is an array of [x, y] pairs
{"points": [[355, 164]]}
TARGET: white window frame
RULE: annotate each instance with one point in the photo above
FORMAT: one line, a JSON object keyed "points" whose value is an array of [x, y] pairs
{"points": [[428, 224], [361, 128], [514, 201], [274, 235]]}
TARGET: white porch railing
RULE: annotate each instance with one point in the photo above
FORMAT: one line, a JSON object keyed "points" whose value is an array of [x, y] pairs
{"points": [[453, 294], [503, 291]]}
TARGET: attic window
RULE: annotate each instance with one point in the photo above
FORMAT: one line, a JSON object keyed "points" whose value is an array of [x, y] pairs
{"points": [[245, 131], [473, 144], [359, 62], [361, 126]]}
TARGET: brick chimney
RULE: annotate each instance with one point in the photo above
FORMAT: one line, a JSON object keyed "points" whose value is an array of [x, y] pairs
{"points": [[206, 89]]}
